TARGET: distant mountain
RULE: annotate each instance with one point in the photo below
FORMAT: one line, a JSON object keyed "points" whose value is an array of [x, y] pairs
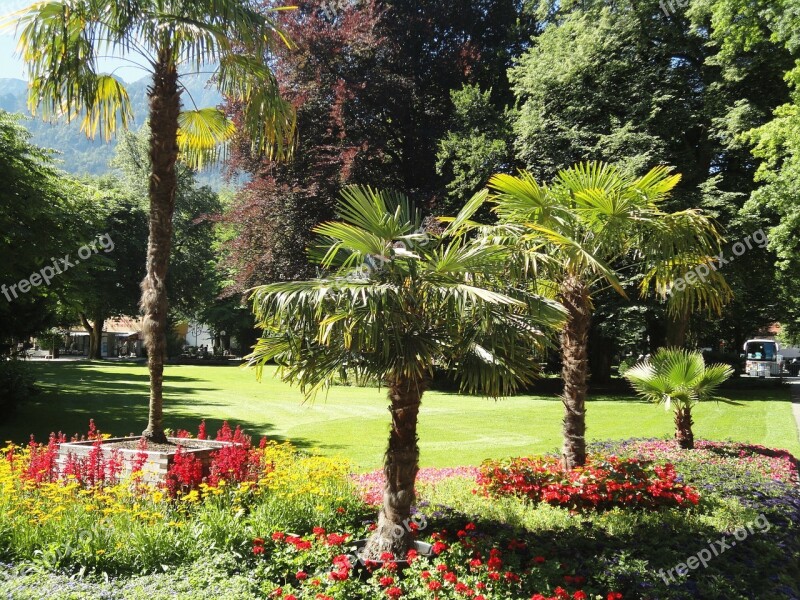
{"points": [[81, 156]]}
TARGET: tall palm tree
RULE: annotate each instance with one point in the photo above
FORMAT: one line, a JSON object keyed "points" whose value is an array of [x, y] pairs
{"points": [[394, 302], [62, 40], [594, 222], [678, 379]]}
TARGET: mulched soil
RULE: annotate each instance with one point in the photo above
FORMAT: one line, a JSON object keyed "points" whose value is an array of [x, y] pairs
{"points": [[153, 447]]}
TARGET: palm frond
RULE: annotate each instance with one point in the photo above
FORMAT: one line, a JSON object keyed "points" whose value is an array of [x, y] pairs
{"points": [[591, 175], [203, 135], [462, 221], [576, 257], [271, 122], [677, 376], [521, 199]]}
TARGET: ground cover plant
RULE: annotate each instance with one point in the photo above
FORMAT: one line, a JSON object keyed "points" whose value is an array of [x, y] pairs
{"points": [[285, 527]]}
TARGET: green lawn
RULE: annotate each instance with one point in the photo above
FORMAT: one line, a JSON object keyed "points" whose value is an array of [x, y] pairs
{"points": [[353, 422]]}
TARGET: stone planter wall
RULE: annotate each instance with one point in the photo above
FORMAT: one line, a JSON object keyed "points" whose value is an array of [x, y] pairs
{"points": [[158, 462]]}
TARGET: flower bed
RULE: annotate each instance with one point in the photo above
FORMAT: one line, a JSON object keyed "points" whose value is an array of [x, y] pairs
{"points": [[465, 563], [181, 465], [604, 483], [277, 523]]}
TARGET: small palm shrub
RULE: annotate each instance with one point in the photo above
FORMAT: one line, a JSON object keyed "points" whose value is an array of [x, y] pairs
{"points": [[678, 379]]}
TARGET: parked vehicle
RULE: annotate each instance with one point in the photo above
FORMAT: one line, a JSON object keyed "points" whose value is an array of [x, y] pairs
{"points": [[765, 358]]}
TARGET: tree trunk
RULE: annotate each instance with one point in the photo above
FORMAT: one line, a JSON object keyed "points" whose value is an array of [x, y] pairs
{"points": [[164, 109], [683, 427], [676, 330], [400, 467], [95, 335], [574, 344]]}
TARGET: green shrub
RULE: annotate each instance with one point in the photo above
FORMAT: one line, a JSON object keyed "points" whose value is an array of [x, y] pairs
{"points": [[17, 383]]}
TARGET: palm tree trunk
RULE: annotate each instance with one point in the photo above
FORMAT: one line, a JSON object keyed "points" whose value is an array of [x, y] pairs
{"points": [[683, 427], [164, 109], [574, 344], [400, 468], [677, 327]]}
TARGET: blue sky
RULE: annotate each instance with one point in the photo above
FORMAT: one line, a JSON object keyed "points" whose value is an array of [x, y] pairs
{"points": [[11, 65]]}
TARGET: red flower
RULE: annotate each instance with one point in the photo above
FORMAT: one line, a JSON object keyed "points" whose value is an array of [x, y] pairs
{"points": [[439, 547], [434, 585], [301, 575], [394, 592], [462, 588], [335, 539], [386, 581]]}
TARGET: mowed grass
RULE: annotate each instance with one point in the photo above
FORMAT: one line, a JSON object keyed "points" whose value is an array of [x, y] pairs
{"points": [[353, 422]]}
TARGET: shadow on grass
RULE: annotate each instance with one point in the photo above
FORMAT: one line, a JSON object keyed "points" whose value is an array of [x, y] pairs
{"points": [[73, 393]]}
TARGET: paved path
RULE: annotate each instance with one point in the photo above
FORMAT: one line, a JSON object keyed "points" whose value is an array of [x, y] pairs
{"points": [[794, 386]]}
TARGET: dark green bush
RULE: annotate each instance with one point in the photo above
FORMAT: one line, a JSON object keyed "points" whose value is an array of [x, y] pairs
{"points": [[16, 385]]}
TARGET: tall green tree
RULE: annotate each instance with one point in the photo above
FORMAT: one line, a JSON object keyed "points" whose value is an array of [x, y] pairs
{"points": [[643, 82], [40, 221], [394, 303], [477, 145], [107, 285], [61, 42], [592, 220], [763, 32]]}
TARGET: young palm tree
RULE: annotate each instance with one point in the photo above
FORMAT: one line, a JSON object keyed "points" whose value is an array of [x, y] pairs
{"points": [[679, 379], [591, 222], [61, 42], [395, 302]]}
